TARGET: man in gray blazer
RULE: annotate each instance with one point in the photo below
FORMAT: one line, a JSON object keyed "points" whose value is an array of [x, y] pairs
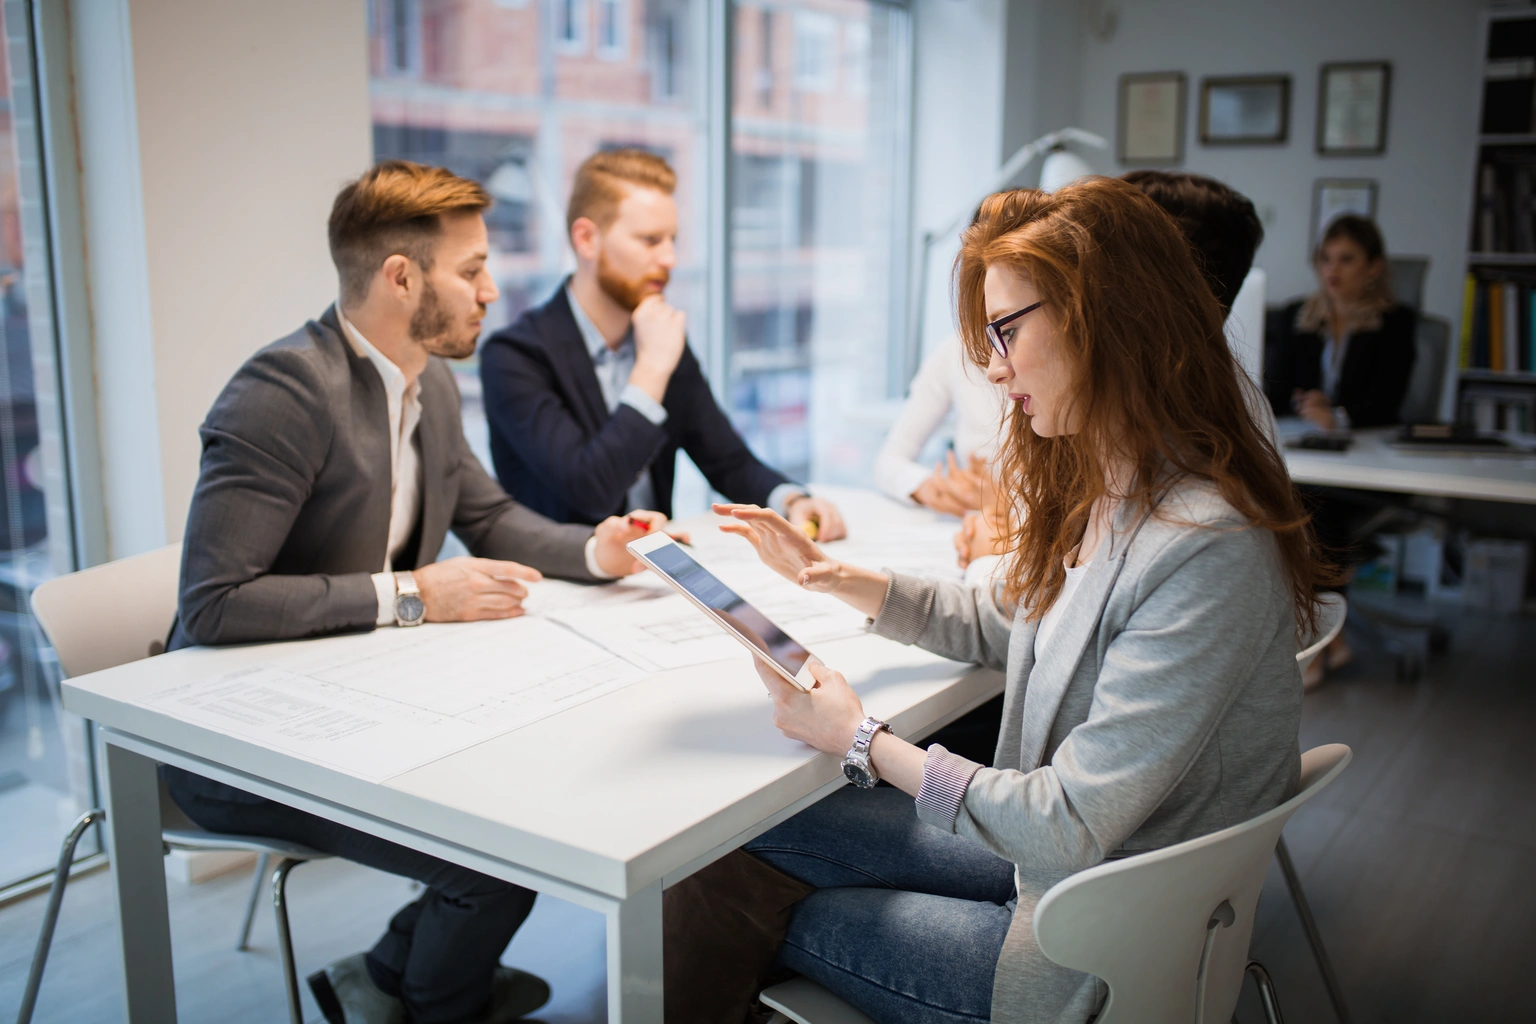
{"points": [[334, 463]]}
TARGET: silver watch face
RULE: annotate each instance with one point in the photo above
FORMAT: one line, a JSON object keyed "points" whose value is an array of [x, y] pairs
{"points": [[859, 773], [409, 608]]}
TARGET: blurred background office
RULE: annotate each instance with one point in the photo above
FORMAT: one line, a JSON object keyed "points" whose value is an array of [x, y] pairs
{"points": [[165, 171]]}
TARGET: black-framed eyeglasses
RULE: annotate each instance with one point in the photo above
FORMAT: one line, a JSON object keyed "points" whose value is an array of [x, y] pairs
{"points": [[995, 328]]}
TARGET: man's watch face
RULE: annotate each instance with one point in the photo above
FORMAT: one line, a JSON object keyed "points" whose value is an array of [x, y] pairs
{"points": [[409, 608]]}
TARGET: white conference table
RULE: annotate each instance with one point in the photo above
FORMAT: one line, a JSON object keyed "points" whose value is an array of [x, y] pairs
{"points": [[1372, 464], [604, 804]]}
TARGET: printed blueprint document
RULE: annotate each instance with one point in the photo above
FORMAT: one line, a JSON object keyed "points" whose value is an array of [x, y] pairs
{"points": [[379, 704]]}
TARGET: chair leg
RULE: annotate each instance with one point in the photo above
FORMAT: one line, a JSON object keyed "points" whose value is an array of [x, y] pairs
{"points": [[51, 915], [1266, 991], [262, 862], [285, 938], [1314, 937]]}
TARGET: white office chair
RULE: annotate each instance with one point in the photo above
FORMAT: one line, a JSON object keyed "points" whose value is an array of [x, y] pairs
{"points": [[1167, 930], [1330, 621], [1150, 925], [110, 615]]}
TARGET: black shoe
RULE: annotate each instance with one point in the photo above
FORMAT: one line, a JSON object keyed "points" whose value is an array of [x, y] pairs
{"points": [[514, 994], [346, 994]]}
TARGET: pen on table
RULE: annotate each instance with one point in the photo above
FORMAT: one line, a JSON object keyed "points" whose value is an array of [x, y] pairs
{"points": [[645, 527]]}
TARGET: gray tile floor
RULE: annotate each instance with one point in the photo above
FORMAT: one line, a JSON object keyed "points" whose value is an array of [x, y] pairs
{"points": [[1416, 862]]}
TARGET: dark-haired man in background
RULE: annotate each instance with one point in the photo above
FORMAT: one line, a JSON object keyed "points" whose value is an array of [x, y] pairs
{"points": [[334, 463]]}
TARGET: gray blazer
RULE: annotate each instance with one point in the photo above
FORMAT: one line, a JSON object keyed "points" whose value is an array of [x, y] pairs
{"points": [[290, 517], [1166, 706]]}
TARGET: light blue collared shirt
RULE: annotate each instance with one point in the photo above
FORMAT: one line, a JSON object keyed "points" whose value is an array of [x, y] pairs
{"points": [[613, 366]]}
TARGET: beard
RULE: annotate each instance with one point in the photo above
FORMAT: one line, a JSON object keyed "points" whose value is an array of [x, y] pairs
{"points": [[628, 292], [433, 326]]}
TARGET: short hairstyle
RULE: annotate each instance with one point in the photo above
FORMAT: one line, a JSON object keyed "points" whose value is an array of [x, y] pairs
{"points": [[394, 208], [1219, 222], [599, 186]]}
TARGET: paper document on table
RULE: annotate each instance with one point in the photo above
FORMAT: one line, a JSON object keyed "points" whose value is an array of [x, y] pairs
{"points": [[380, 704], [666, 630]]}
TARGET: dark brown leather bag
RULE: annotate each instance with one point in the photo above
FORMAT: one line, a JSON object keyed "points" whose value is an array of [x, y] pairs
{"points": [[722, 927]]}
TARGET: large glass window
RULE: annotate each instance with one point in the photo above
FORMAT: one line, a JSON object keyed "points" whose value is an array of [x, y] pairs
{"points": [[818, 218], [45, 777], [516, 93]]}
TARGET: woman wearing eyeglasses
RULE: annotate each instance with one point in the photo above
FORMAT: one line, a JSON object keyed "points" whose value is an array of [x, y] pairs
{"points": [[1162, 571]]}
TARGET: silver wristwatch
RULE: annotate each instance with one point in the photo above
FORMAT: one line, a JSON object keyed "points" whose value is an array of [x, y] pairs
{"points": [[856, 764], [410, 609]]}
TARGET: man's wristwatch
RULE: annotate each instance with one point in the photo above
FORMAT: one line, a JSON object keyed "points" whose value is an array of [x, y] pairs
{"points": [[856, 764], [410, 609]]}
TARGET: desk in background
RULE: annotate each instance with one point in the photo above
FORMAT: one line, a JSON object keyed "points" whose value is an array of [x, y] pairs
{"points": [[604, 804], [1372, 464]]}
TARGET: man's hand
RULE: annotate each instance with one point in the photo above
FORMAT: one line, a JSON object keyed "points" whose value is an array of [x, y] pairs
{"points": [[661, 334], [951, 489], [468, 589], [1314, 407], [616, 531], [829, 521]]}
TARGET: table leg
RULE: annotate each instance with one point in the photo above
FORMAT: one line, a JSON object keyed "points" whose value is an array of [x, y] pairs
{"points": [[138, 873], [634, 958]]}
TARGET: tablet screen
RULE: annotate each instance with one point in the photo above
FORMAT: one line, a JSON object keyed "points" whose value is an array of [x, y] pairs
{"points": [[730, 606]]}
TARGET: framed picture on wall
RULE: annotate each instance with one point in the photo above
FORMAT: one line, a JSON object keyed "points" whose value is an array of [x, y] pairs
{"points": [[1150, 128], [1334, 197], [1245, 111], [1352, 108]]}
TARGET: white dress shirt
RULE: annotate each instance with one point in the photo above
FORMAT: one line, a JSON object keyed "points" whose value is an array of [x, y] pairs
{"points": [[404, 404], [613, 366], [946, 380]]}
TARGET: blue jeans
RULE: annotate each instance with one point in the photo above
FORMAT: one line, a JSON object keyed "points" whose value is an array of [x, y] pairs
{"points": [[907, 922]]}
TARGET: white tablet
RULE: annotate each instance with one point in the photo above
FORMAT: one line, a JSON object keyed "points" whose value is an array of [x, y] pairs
{"points": [[750, 627]]}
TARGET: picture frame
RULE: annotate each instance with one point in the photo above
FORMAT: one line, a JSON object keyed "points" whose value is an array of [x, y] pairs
{"points": [[1150, 122], [1245, 110], [1333, 197], [1352, 100]]}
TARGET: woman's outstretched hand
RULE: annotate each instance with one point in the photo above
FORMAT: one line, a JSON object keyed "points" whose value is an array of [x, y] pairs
{"points": [[782, 546], [825, 717]]}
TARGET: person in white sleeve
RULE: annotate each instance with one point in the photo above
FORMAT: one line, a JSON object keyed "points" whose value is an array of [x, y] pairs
{"points": [[945, 382]]}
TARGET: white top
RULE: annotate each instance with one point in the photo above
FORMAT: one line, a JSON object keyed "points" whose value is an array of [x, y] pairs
{"points": [[946, 380], [404, 403], [1058, 608]]}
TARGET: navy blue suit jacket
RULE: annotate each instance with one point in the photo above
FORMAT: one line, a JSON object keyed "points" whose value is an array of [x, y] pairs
{"points": [[559, 451]]}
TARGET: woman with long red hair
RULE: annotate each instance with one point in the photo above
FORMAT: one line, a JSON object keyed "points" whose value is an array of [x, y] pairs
{"points": [[1161, 572]]}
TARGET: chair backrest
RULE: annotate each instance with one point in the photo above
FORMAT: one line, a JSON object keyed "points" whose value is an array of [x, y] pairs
{"points": [[1407, 274], [110, 614], [1331, 612], [1431, 349], [1168, 930]]}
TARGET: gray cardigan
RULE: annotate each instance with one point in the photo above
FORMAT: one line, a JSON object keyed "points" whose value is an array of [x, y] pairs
{"points": [[1166, 706]]}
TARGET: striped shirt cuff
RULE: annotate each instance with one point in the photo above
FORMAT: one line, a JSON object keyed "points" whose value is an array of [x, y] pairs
{"points": [[946, 777], [904, 614]]}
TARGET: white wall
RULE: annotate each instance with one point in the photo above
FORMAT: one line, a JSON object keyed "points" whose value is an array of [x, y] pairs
{"points": [[1425, 176], [213, 138]]}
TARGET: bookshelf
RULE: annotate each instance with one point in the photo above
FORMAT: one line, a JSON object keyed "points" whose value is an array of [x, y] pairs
{"points": [[1496, 389]]}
